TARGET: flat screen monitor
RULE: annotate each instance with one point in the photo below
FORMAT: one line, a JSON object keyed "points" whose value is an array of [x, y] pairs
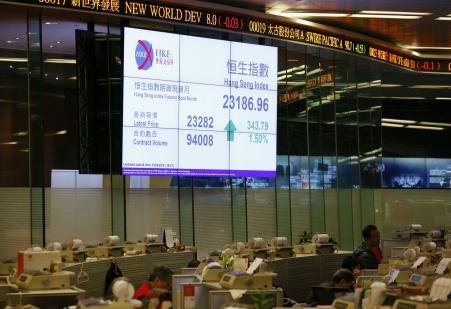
{"points": [[196, 106]]}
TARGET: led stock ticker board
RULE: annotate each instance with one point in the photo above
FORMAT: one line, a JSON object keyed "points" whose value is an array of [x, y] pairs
{"points": [[250, 22], [196, 106]]}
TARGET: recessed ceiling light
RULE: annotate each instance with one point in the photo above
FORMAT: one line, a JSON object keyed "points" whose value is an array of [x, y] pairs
{"points": [[51, 23], [312, 14], [284, 77], [314, 71], [426, 47], [51, 46], [63, 61], [23, 133], [291, 83], [5, 59], [386, 16], [392, 125], [398, 120], [390, 85], [10, 42], [57, 78], [440, 124], [395, 98], [430, 87], [394, 13], [425, 128], [58, 42], [17, 38]]}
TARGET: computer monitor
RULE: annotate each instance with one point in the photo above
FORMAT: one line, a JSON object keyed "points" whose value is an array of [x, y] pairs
{"points": [[177, 281], [326, 295]]}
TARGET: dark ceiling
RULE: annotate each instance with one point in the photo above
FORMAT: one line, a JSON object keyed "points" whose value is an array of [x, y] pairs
{"points": [[414, 34]]}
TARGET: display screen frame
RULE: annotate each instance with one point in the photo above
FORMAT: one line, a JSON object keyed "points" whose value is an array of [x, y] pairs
{"points": [[229, 172]]}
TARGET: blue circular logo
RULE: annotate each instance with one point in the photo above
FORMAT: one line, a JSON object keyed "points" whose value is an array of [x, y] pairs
{"points": [[143, 55]]}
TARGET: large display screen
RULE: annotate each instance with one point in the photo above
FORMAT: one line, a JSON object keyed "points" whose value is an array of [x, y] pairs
{"points": [[405, 173], [195, 106], [439, 173], [417, 173]]}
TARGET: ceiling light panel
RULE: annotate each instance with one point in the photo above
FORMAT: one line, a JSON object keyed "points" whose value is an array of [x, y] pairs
{"points": [[439, 124], [425, 128], [392, 125], [386, 16], [312, 14], [398, 120], [395, 13]]}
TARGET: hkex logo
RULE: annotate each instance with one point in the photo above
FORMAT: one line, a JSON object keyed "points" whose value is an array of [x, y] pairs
{"points": [[144, 55]]}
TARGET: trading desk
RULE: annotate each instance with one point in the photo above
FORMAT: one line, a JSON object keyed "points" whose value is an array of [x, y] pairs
{"points": [[210, 295], [297, 275], [136, 268], [46, 299]]}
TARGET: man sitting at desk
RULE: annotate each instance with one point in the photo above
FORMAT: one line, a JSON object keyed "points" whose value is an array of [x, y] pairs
{"points": [[157, 289], [325, 293], [368, 253], [351, 263]]}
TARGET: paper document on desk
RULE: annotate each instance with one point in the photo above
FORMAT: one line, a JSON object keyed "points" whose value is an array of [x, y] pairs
{"points": [[419, 261], [254, 266], [237, 293], [393, 275], [240, 264], [442, 266]]}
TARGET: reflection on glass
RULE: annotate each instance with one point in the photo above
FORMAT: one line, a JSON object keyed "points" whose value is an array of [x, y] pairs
{"points": [[239, 209], [212, 218], [186, 209], [261, 212], [14, 134], [152, 206]]}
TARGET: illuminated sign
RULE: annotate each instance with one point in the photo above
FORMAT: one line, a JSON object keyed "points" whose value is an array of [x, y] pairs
{"points": [[158, 10], [288, 97], [316, 81]]}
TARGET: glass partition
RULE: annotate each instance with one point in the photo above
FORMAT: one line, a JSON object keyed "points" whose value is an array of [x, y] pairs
{"points": [[14, 134], [346, 118]]}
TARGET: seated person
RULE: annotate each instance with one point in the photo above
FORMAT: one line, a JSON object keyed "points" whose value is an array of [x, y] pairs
{"points": [[351, 263], [156, 289], [343, 278], [368, 253], [324, 294], [193, 263]]}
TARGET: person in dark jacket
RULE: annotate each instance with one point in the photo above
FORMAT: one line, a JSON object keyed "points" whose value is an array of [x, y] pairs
{"points": [[342, 278], [368, 253], [351, 263]]}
